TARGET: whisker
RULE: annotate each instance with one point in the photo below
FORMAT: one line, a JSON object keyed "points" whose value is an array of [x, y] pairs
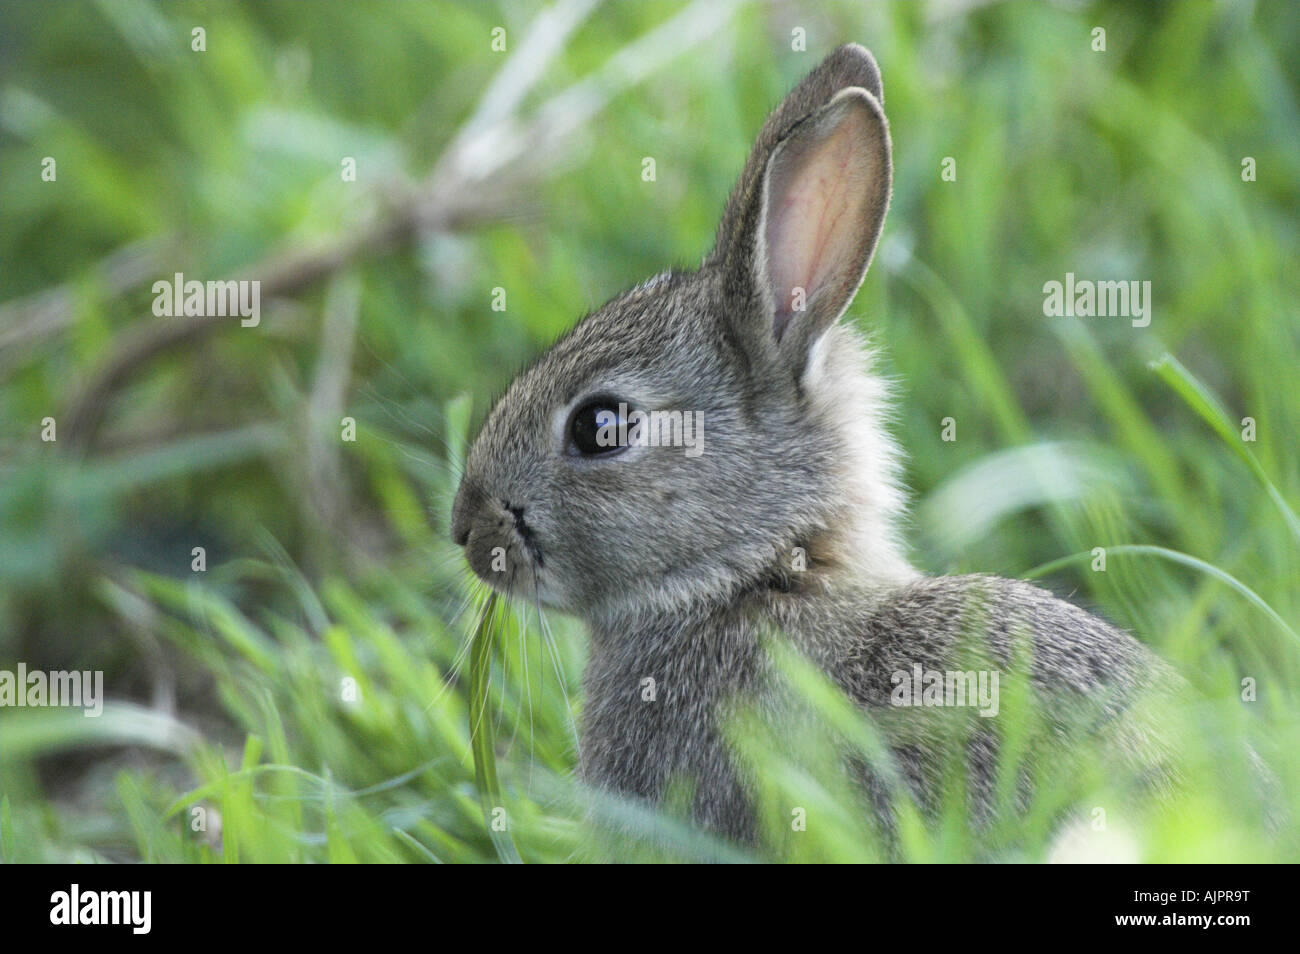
{"points": [[477, 594], [553, 650], [528, 682]]}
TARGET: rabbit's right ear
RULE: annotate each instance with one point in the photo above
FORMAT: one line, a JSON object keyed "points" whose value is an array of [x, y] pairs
{"points": [[801, 226]]}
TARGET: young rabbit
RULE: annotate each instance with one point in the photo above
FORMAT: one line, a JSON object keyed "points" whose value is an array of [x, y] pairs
{"points": [[786, 517]]}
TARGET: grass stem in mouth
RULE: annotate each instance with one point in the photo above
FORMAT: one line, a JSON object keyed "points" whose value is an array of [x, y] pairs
{"points": [[482, 735]]}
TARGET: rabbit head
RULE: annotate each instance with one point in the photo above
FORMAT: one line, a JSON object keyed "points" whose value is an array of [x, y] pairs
{"points": [[776, 459]]}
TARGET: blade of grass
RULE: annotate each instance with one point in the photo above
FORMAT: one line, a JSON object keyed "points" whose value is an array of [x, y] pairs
{"points": [[7, 851], [1205, 403], [482, 732], [420, 849], [1210, 569]]}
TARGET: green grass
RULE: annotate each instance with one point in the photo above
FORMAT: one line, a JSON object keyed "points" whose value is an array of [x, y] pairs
{"points": [[320, 691]]}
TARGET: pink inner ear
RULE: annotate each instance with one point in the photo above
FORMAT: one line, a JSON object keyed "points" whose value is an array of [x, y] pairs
{"points": [[816, 200]]}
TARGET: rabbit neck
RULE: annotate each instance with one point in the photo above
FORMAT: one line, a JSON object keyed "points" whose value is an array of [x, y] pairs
{"points": [[858, 546], [658, 690]]}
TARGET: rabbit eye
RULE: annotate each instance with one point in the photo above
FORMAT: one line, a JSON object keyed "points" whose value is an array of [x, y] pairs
{"points": [[597, 427]]}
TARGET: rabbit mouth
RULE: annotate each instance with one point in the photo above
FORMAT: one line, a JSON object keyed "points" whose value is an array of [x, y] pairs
{"points": [[503, 550], [507, 565], [526, 535]]}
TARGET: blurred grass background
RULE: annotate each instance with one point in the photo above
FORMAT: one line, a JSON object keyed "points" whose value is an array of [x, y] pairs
{"points": [[328, 561]]}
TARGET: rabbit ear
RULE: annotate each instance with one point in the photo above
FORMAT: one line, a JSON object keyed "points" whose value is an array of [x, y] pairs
{"points": [[799, 238]]}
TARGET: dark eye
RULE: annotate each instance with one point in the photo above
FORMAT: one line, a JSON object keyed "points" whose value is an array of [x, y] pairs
{"points": [[597, 428]]}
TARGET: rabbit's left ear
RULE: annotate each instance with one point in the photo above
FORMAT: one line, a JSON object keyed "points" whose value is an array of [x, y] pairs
{"points": [[808, 225]]}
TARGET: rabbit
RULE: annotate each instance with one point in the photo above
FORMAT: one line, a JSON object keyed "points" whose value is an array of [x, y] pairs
{"points": [[788, 520]]}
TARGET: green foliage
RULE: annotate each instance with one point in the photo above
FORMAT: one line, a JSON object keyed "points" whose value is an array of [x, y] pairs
{"points": [[311, 691]]}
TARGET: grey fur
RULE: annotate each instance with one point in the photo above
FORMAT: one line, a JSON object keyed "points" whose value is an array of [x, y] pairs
{"points": [[679, 566]]}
